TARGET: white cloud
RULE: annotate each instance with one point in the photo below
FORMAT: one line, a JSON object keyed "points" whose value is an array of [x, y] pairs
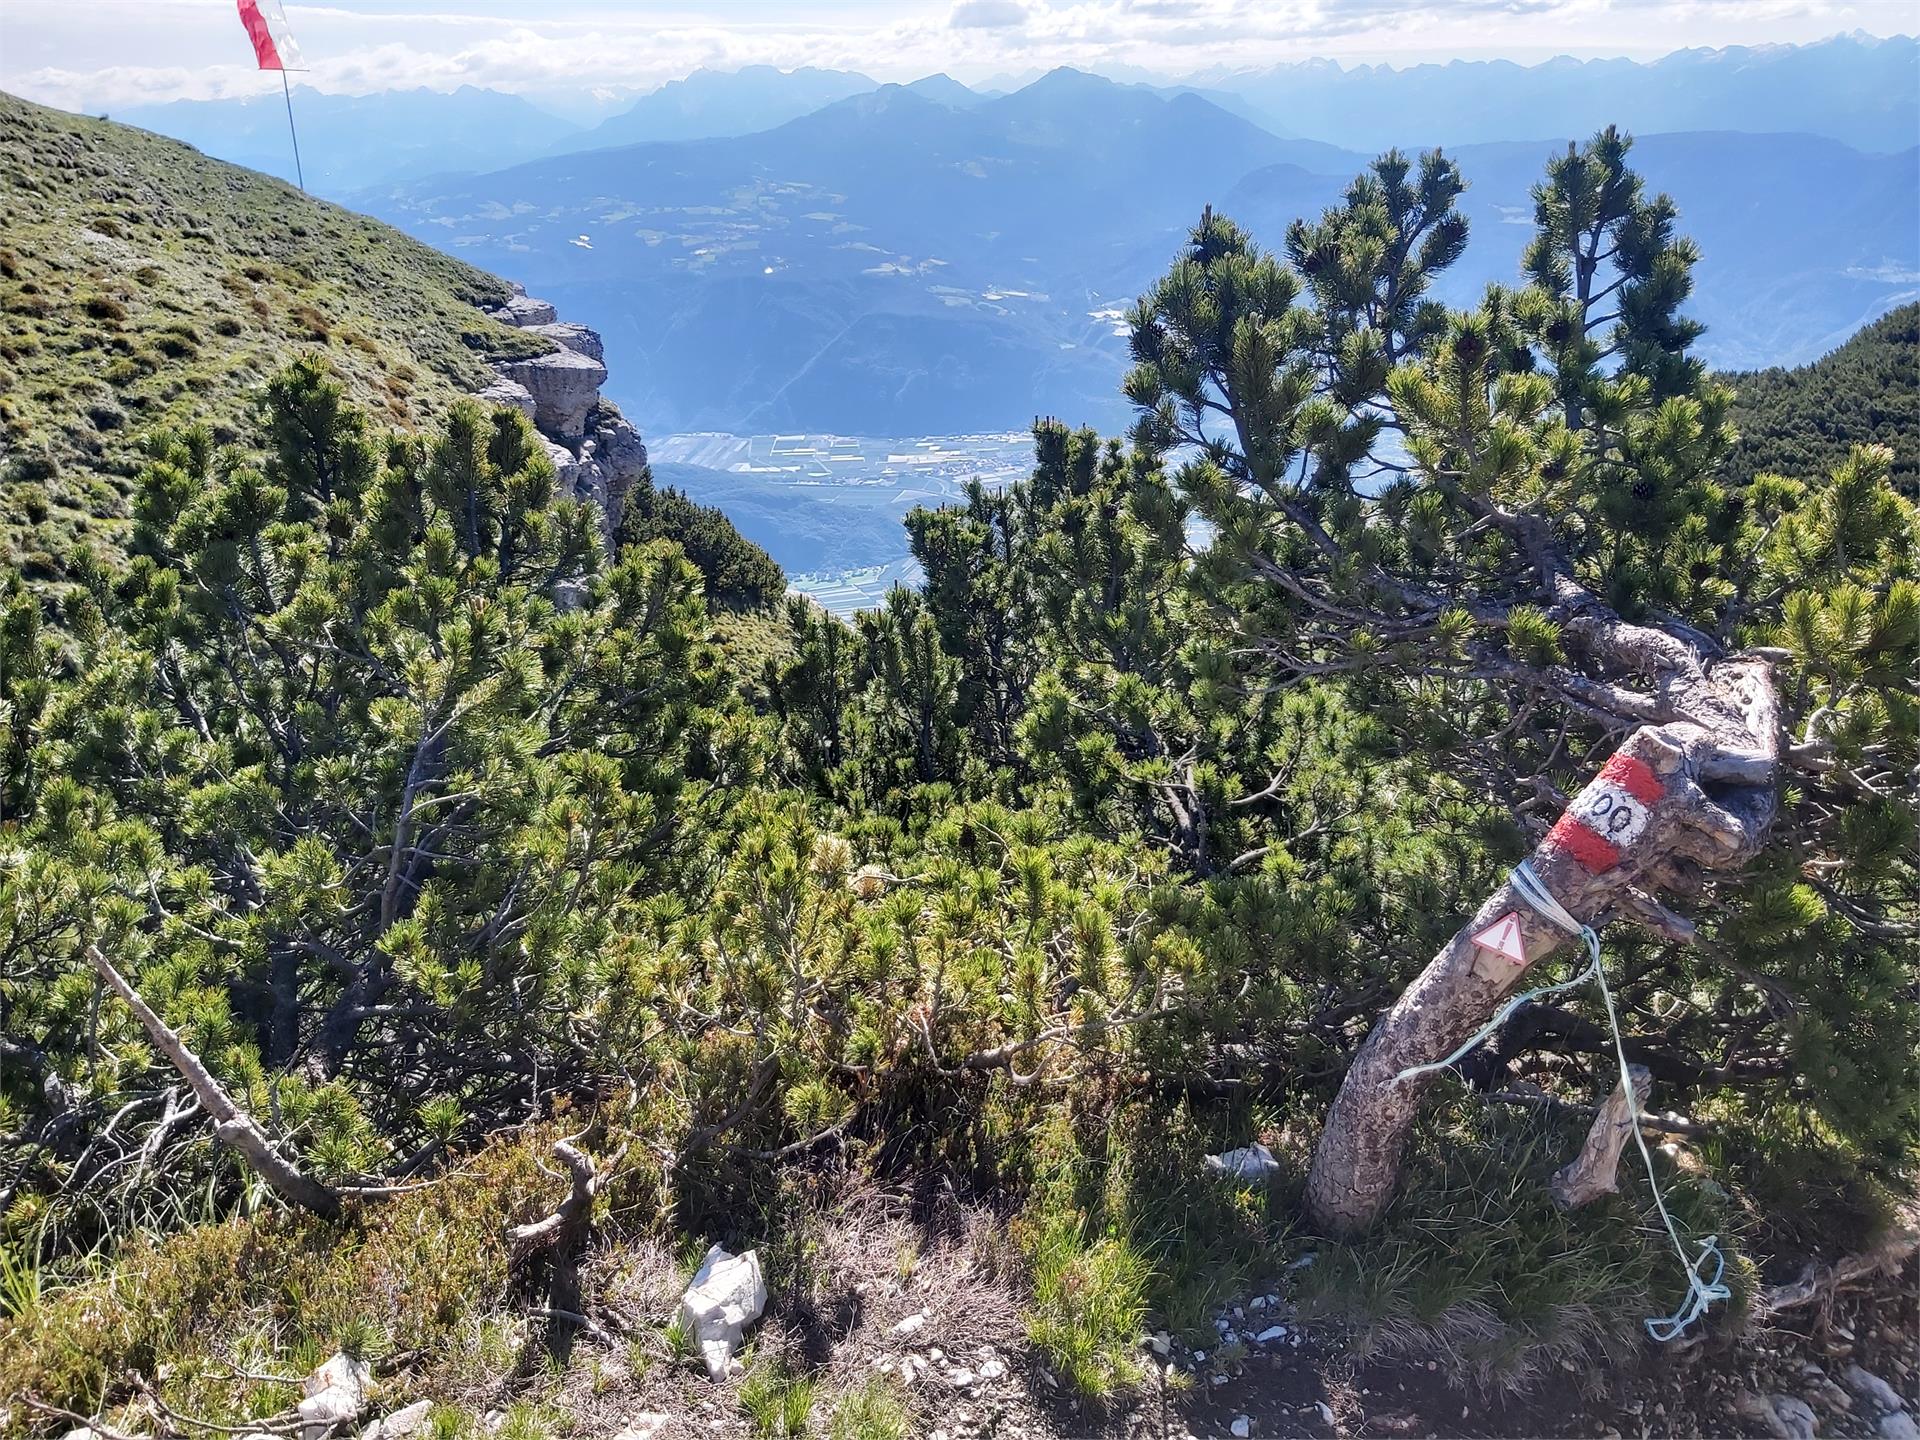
{"points": [[99, 54], [986, 15]]}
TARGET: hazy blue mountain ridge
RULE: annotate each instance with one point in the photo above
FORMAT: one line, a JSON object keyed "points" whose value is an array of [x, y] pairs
{"points": [[711, 103], [348, 142], [1855, 88], [893, 265]]}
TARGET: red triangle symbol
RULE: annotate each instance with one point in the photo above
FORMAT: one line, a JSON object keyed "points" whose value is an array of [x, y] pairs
{"points": [[1503, 938]]}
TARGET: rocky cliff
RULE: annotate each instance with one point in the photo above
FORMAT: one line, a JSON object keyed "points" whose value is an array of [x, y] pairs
{"points": [[596, 451]]}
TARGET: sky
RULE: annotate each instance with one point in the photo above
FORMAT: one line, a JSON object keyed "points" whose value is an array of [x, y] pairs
{"points": [[98, 54]]}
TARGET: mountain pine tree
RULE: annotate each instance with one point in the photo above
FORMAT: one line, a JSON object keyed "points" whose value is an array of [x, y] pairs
{"points": [[1517, 534]]}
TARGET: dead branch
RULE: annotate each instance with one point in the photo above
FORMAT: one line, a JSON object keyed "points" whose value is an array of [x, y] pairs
{"points": [[1595, 1172], [1820, 1280], [230, 1123]]}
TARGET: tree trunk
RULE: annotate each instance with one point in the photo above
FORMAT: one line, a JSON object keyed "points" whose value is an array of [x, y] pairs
{"points": [[1676, 798]]}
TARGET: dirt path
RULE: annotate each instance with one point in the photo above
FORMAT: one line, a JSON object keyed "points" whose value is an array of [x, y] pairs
{"points": [[941, 1329]]}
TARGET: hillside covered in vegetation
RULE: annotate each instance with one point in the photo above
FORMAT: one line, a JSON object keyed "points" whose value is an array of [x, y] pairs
{"points": [[1864, 393], [144, 286], [1092, 981]]}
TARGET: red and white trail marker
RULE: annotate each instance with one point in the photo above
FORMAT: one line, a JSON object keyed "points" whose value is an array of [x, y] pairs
{"points": [[1503, 937], [1609, 815]]}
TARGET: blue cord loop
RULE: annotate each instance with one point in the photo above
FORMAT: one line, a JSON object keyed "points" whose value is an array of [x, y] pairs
{"points": [[1701, 1291]]}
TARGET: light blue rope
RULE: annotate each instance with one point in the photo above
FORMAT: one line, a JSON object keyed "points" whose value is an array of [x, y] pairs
{"points": [[1700, 1292]]}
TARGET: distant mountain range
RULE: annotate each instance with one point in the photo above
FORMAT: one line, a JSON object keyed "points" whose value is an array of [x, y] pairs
{"points": [[780, 250], [892, 265], [348, 142], [887, 264], [710, 103], [1854, 88]]}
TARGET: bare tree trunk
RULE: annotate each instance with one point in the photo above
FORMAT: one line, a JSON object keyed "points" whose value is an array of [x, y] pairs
{"points": [[1596, 1171], [230, 1122], [1689, 795]]}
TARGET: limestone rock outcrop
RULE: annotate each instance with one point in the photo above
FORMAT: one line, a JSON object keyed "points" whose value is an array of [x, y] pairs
{"points": [[596, 452], [509, 393], [570, 336], [564, 385], [524, 312]]}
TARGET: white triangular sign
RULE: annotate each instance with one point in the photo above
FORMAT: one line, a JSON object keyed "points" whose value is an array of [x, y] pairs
{"points": [[1503, 938]]}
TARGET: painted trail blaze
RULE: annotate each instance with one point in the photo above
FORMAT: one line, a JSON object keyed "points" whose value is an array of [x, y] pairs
{"points": [[1609, 815]]}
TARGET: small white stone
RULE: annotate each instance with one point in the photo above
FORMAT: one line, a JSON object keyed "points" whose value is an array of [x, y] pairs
{"points": [[335, 1394], [960, 1377], [1326, 1412], [992, 1369], [911, 1323], [409, 1420], [1251, 1162], [1162, 1343], [1242, 1427], [1271, 1333]]}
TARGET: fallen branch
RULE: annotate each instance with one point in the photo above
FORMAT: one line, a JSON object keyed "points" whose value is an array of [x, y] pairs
{"points": [[230, 1123], [1820, 1280], [1596, 1170], [539, 1233]]}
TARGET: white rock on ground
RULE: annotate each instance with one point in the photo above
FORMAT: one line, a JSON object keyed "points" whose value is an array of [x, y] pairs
{"points": [[408, 1420], [726, 1295], [335, 1394], [1251, 1162], [1242, 1426], [1872, 1389], [644, 1426], [1896, 1425], [1271, 1333], [912, 1323]]}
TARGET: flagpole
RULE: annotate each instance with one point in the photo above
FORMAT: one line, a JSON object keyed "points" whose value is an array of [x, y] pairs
{"points": [[287, 90]]}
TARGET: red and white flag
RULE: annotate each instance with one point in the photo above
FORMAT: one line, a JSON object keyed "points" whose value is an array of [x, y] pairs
{"points": [[273, 43]]}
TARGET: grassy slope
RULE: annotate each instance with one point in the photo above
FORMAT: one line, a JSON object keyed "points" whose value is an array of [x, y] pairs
{"points": [[1802, 422], [143, 284]]}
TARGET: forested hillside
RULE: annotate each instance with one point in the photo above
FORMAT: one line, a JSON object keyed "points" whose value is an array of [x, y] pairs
{"points": [[1221, 932], [1867, 392]]}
